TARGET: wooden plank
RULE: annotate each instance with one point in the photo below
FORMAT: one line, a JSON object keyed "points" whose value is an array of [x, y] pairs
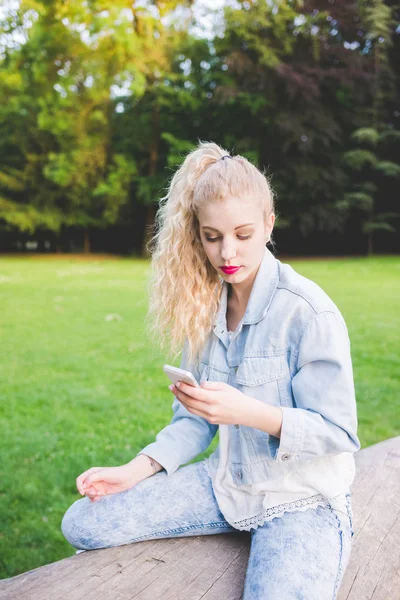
{"points": [[214, 566], [373, 572], [167, 568]]}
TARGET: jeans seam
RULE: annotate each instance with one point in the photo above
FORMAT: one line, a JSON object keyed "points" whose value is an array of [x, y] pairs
{"points": [[216, 525], [339, 571], [350, 514]]}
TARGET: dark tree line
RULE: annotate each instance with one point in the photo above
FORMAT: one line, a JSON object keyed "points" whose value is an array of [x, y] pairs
{"points": [[100, 101]]}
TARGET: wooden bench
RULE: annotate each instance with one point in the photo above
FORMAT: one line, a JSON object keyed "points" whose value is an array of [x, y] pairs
{"points": [[214, 567]]}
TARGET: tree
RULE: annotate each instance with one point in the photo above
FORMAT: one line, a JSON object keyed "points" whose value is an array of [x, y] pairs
{"points": [[75, 60], [370, 169], [374, 162], [292, 82]]}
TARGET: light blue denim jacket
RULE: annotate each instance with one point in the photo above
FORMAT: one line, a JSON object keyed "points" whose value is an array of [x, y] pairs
{"points": [[292, 350]]}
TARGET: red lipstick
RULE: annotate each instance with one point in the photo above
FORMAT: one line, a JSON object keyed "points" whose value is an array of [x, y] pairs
{"points": [[229, 270]]}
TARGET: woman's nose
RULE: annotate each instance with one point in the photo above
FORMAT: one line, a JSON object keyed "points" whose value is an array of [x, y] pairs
{"points": [[228, 251]]}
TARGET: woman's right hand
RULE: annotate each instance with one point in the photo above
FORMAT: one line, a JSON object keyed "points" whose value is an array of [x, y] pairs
{"points": [[100, 481]]}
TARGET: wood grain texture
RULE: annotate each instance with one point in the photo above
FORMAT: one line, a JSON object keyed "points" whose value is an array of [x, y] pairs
{"points": [[373, 572], [214, 566]]}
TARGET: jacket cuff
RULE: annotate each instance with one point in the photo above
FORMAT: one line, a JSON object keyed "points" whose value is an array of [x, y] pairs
{"points": [[168, 461], [292, 434]]}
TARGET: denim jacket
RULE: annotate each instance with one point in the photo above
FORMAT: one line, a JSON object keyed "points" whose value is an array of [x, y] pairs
{"points": [[291, 350]]}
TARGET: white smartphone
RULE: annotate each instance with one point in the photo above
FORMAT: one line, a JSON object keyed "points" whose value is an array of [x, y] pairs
{"points": [[176, 374]]}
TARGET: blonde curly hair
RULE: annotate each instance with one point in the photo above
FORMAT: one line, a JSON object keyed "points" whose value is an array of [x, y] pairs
{"points": [[184, 287]]}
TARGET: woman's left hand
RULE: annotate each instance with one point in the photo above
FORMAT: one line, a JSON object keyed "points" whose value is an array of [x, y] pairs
{"points": [[217, 402]]}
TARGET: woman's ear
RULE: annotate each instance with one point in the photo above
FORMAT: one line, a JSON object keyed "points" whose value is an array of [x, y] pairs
{"points": [[269, 225]]}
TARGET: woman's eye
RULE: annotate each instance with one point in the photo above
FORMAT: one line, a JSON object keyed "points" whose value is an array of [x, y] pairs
{"points": [[240, 237]]}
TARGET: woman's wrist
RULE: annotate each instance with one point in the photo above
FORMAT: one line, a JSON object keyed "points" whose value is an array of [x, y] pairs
{"points": [[263, 416], [143, 466]]}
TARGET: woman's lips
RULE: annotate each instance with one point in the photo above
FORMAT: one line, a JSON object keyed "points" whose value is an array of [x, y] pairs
{"points": [[229, 270]]}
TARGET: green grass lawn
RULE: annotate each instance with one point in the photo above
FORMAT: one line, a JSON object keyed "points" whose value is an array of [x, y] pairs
{"points": [[78, 389]]}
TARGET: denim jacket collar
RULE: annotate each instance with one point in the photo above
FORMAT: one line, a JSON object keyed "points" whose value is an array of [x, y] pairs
{"points": [[261, 295]]}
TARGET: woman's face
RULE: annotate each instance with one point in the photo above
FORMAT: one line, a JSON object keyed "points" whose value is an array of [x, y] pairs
{"points": [[233, 234]]}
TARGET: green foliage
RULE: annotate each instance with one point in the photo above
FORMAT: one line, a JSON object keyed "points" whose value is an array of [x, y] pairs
{"points": [[366, 189], [388, 168], [149, 188], [379, 224], [377, 17], [99, 104], [113, 190], [61, 108], [12, 179], [359, 159], [359, 200], [26, 218], [390, 137], [365, 135], [177, 149]]}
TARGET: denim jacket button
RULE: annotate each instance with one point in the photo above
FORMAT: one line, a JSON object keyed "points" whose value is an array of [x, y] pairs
{"points": [[238, 474], [285, 456], [237, 426]]}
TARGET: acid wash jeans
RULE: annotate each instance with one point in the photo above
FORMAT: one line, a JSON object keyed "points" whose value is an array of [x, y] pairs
{"points": [[298, 556]]}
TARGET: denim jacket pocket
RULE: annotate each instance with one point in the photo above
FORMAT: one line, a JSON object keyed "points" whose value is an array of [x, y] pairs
{"points": [[260, 378], [208, 372]]}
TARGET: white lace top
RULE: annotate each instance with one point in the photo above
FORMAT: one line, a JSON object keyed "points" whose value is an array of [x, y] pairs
{"points": [[249, 506]]}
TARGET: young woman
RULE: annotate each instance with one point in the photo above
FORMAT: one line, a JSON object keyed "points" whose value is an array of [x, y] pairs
{"points": [[272, 353]]}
